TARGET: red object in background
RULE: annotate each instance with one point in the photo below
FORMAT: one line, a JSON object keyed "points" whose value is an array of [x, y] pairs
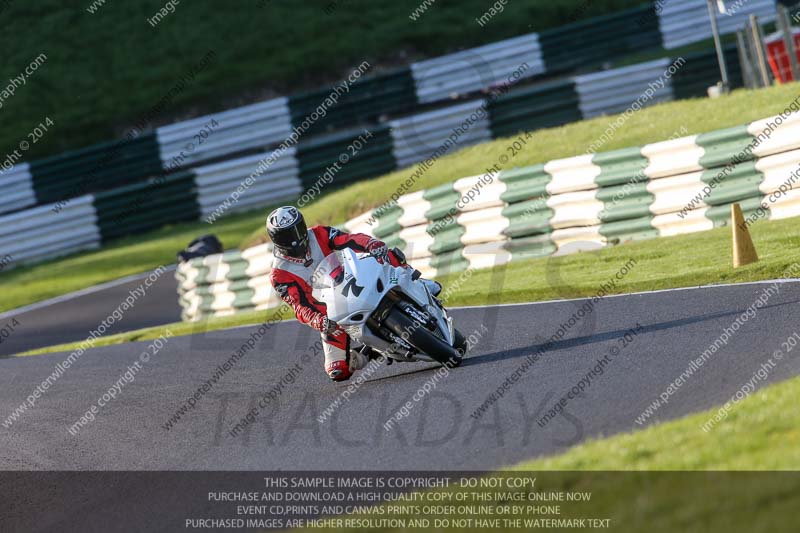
{"points": [[777, 56]]}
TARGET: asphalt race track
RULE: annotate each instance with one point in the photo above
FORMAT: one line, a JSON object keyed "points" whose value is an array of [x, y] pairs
{"points": [[438, 433], [71, 318]]}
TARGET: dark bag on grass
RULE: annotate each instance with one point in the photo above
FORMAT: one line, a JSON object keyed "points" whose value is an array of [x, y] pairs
{"points": [[201, 247]]}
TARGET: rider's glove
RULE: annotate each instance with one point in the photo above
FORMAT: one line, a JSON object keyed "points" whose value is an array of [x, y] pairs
{"points": [[378, 250]]}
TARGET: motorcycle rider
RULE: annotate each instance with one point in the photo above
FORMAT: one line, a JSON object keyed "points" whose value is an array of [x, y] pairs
{"points": [[298, 251]]}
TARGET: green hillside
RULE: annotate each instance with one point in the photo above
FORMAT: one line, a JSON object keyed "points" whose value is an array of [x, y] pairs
{"points": [[106, 69]]}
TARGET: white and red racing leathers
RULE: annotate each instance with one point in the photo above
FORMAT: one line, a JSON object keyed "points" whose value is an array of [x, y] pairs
{"points": [[291, 278]]}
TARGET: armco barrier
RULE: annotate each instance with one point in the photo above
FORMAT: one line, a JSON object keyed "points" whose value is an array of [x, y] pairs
{"points": [[141, 207], [17, 186], [683, 22], [40, 233], [218, 184], [599, 39], [585, 44], [337, 156], [701, 70], [417, 137], [530, 108], [87, 221], [476, 68], [216, 189], [610, 91], [366, 101], [249, 127], [96, 168], [584, 202], [601, 93]]}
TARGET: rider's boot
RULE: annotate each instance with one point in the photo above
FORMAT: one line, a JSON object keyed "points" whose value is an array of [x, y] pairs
{"points": [[340, 361]]}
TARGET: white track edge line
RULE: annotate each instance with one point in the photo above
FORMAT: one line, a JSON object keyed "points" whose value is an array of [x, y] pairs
{"points": [[640, 293]]}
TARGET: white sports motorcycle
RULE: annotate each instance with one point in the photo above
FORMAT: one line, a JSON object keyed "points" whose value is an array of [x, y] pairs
{"points": [[386, 309]]}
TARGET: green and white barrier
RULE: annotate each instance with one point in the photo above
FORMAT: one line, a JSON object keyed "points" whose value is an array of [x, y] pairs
{"points": [[667, 188], [661, 189], [222, 284]]}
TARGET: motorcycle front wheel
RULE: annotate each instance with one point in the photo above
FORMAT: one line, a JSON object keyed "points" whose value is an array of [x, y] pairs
{"points": [[417, 335]]}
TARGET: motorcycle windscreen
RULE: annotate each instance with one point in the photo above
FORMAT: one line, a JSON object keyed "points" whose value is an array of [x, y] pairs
{"points": [[329, 273]]}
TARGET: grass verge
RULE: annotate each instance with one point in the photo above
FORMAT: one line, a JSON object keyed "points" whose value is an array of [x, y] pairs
{"points": [[669, 477], [761, 432], [680, 261]]}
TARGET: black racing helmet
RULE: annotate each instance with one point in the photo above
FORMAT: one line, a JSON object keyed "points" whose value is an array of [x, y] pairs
{"points": [[287, 229]]}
